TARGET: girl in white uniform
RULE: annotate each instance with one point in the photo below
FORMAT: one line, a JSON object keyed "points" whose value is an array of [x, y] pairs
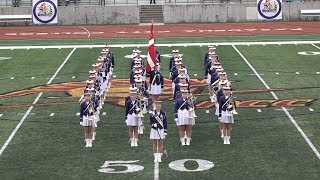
{"points": [[183, 118], [158, 122]]}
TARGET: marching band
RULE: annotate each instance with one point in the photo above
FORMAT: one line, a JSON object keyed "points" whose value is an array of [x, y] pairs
{"points": [[143, 93]]}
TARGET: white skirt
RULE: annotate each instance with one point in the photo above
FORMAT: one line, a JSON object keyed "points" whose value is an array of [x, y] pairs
{"points": [[155, 135], [104, 86], [227, 117], [183, 118], [133, 120], [217, 109], [87, 121], [155, 89], [208, 80]]}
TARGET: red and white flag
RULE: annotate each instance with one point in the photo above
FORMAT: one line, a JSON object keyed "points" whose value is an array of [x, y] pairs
{"points": [[151, 60]]}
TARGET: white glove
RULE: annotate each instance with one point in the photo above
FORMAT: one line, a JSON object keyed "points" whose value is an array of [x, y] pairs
{"points": [[229, 106], [165, 133], [110, 73], [155, 125], [137, 109], [190, 109], [81, 123], [219, 118]]}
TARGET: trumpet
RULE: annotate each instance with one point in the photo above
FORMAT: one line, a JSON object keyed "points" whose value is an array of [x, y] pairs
{"points": [[140, 115], [232, 102], [192, 113], [92, 111]]}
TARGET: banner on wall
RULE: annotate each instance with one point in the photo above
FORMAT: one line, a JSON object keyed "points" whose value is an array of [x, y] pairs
{"points": [[269, 9], [44, 11]]}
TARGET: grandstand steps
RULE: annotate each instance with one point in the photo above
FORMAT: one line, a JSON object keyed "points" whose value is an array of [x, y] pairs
{"points": [[151, 12]]}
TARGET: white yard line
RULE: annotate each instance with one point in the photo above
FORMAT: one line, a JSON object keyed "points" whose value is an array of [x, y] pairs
{"points": [[31, 107], [156, 171], [52, 114], [1, 115], [86, 30], [315, 45], [314, 149], [163, 45]]}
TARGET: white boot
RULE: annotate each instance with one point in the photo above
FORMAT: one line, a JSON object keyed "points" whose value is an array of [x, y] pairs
{"points": [[90, 143], [188, 141], [225, 140], [132, 142], [222, 134], [228, 139], [87, 142], [159, 157], [155, 157], [140, 129], [135, 140], [183, 142], [94, 135]]}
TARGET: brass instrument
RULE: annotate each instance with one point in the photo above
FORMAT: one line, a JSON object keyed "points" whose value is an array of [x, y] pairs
{"points": [[192, 113], [233, 105], [231, 102], [92, 111], [140, 115]]}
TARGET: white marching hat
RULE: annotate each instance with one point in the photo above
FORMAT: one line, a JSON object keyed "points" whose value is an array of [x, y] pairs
{"points": [[132, 87], [89, 81], [178, 63], [175, 51], [183, 84], [138, 80], [223, 82], [95, 65], [90, 89], [182, 76], [92, 71], [136, 51], [226, 88]]}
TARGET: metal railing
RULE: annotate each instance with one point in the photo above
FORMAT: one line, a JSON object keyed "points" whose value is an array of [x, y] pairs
{"points": [[16, 3]]}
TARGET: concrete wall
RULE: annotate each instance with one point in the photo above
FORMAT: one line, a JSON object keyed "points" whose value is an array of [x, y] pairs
{"points": [[81, 15], [230, 12]]}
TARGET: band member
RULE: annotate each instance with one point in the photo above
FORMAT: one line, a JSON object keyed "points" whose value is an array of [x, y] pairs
{"points": [[227, 105], [209, 68], [133, 118], [109, 55], [137, 70], [175, 53], [156, 82], [219, 94], [183, 86], [87, 112], [143, 96], [211, 49], [182, 83], [158, 55], [182, 110], [182, 73], [158, 122]]}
